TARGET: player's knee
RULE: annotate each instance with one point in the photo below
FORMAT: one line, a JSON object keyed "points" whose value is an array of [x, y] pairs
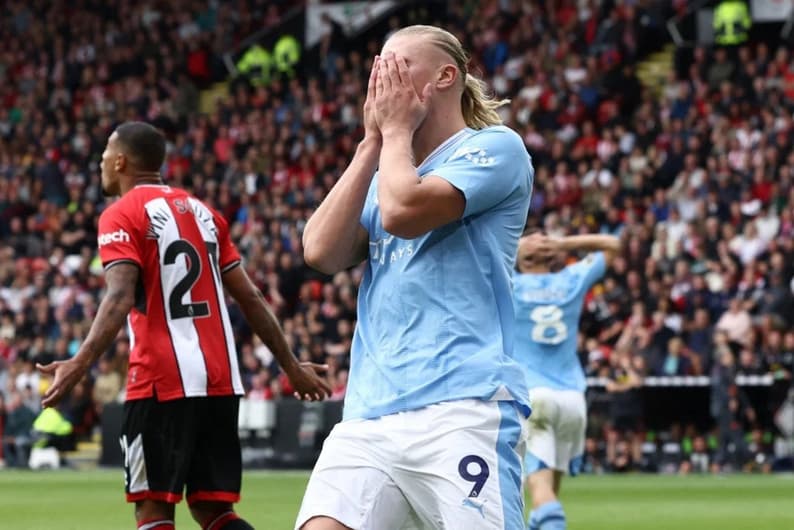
{"points": [[149, 510], [217, 516], [323, 523]]}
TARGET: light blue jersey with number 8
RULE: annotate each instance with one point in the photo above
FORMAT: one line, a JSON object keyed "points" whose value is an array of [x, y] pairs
{"points": [[548, 307]]}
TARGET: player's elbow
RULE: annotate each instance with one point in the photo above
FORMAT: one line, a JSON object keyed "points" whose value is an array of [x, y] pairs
{"points": [[320, 258], [251, 300], [316, 253], [121, 300], [401, 221]]}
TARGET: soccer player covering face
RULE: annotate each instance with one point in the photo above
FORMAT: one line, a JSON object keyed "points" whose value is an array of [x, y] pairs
{"points": [[548, 306], [167, 259], [432, 428]]}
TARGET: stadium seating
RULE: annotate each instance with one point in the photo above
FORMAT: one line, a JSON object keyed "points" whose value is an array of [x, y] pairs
{"points": [[691, 167]]}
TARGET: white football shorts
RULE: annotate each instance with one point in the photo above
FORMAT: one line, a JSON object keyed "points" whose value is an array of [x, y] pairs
{"points": [[556, 430], [454, 466]]}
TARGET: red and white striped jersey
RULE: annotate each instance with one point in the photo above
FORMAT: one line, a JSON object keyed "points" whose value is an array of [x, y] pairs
{"points": [[180, 335]]}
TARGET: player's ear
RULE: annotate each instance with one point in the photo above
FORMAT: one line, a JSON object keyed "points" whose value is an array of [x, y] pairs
{"points": [[120, 163], [446, 77]]}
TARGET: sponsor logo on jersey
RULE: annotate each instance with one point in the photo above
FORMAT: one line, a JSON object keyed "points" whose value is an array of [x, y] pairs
{"points": [[382, 250], [119, 236]]}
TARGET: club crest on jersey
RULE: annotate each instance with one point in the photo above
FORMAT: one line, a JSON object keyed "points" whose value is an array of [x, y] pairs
{"points": [[119, 236], [476, 155]]}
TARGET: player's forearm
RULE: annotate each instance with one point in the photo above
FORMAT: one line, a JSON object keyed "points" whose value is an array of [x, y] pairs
{"points": [[589, 243], [398, 181], [330, 236], [265, 324]]}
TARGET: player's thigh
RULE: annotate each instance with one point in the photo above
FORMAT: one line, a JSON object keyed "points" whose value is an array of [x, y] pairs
{"points": [[157, 445], [215, 473], [370, 500], [570, 431], [542, 433], [350, 483], [462, 465]]}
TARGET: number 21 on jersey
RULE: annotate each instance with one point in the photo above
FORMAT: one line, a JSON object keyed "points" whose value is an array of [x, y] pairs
{"points": [[548, 327], [177, 308]]}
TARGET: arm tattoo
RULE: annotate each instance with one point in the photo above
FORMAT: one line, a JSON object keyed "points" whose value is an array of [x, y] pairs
{"points": [[121, 280]]}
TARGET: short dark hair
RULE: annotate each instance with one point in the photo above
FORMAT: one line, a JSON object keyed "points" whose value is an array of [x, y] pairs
{"points": [[143, 143]]}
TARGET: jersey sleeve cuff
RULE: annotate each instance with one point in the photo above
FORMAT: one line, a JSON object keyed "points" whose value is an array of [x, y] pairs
{"points": [[113, 263], [229, 266]]}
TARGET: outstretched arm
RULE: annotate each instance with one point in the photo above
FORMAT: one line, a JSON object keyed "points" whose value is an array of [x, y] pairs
{"points": [[121, 279], [609, 245], [308, 385]]}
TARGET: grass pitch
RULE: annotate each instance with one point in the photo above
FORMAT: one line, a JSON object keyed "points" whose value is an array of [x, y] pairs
{"points": [[93, 500]]}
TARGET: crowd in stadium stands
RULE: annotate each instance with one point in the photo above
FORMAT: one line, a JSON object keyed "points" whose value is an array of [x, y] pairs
{"points": [[695, 178]]}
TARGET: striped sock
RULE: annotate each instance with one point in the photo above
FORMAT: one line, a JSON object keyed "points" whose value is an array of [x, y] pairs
{"points": [[548, 516], [156, 524]]}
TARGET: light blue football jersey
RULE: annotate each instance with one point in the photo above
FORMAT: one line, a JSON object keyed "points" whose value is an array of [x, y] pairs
{"points": [[435, 313], [548, 307]]}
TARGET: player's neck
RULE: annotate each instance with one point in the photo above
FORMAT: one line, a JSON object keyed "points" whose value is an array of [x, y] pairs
{"points": [[438, 127], [129, 182], [535, 270]]}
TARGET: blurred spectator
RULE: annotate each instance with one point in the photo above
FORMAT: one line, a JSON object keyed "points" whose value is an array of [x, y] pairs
{"points": [[594, 460], [677, 360], [626, 408], [18, 424], [622, 461], [700, 460], [735, 322], [259, 386], [107, 384], [759, 452], [699, 336], [3, 421], [731, 410], [698, 180], [52, 429], [78, 409]]}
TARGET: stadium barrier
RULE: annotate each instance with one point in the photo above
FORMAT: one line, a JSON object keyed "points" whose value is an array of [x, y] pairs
{"points": [[684, 400], [290, 433], [690, 380], [285, 433]]}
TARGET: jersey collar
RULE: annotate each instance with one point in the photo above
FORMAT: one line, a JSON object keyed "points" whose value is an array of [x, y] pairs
{"points": [[465, 132]]}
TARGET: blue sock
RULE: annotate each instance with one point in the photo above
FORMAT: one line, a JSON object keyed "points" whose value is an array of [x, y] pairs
{"points": [[548, 516]]}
